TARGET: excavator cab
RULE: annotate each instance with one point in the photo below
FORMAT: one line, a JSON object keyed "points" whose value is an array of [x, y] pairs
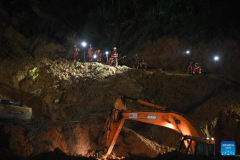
{"points": [[14, 110], [198, 146]]}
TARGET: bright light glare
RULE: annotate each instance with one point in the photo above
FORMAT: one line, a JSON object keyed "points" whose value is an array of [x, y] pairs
{"points": [[207, 138], [107, 52], [216, 58], [94, 56], [212, 139], [169, 125], [187, 51], [84, 44]]}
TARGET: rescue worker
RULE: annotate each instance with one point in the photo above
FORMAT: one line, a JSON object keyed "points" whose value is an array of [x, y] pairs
{"points": [[136, 63], [99, 56], [121, 59], [190, 68], [33, 73], [197, 69], [76, 50], [144, 64], [115, 55], [111, 61], [90, 53]]}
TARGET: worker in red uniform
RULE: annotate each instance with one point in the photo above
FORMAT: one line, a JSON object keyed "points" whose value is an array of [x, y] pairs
{"points": [[111, 61], [115, 56], [90, 53], [144, 64], [99, 56], [197, 69], [76, 50], [190, 68]]}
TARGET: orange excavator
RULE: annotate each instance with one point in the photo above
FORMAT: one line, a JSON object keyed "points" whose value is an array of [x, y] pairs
{"points": [[193, 140]]}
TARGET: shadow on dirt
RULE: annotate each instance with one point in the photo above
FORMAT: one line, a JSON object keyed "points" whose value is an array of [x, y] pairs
{"points": [[210, 94]]}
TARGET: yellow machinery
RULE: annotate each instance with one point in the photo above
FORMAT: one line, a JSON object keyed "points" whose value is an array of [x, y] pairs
{"points": [[12, 110]]}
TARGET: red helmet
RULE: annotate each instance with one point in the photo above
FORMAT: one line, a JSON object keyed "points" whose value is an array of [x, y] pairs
{"points": [[90, 44]]}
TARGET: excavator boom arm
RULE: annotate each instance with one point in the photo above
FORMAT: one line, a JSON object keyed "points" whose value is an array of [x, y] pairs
{"points": [[162, 117], [168, 119]]}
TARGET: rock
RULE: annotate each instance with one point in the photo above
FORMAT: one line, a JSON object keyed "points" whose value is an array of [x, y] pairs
{"points": [[112, 70], [56, 101], [20, 75]]}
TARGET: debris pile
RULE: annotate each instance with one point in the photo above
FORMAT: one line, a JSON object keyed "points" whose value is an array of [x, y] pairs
{"points": [[66, 70]]}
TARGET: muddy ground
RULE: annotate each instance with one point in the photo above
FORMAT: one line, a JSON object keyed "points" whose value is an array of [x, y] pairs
{"points": [[71, 102]]}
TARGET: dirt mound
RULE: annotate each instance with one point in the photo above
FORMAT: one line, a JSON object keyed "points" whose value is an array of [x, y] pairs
{"points": [[129, 143], [59, 83], [57, 70], [72, 72]]}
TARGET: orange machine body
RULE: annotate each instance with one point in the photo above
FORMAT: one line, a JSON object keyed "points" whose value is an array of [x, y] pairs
{"points": [[161, 117]]}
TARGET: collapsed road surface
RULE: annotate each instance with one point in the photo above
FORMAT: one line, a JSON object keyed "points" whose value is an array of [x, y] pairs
{"points": [[71, 102]]}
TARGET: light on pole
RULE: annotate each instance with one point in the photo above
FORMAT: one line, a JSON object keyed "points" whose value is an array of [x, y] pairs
{"points": [[188, 57], [216, 58], [107, 56], [94, 56], [84, 44]]}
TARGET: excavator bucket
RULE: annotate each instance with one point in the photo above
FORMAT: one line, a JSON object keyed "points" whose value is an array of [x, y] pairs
{"points": [[119, 104]]}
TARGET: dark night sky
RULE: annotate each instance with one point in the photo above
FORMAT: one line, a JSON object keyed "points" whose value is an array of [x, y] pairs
{"points": [[111, 22]]}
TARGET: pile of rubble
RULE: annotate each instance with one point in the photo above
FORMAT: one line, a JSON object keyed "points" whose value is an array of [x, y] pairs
{"points": [[66, 70]]}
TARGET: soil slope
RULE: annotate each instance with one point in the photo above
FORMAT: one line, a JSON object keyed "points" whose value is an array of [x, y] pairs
{"points": [[70, 91]]}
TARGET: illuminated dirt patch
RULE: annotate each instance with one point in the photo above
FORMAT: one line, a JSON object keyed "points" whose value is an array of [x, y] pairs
{"points": [[39, 136]]}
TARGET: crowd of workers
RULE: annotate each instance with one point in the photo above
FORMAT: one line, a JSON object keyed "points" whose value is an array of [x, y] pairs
{"points": [[97, 55], [194, 69], [116, 59]]}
